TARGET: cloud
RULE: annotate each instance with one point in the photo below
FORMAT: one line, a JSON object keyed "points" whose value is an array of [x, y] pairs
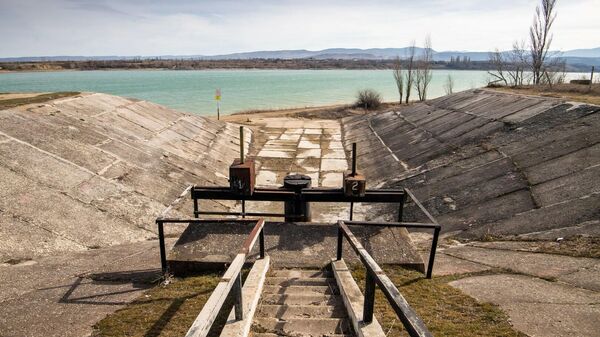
{"points": [[186, 27]]}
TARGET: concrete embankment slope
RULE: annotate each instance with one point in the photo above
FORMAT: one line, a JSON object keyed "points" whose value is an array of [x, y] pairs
{"points": [[95, 170], [489, 163]]}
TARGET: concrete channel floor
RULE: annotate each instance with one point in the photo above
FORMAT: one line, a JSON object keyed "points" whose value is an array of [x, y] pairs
{"points": [[312, 147], [65, 295], [543, 294]]}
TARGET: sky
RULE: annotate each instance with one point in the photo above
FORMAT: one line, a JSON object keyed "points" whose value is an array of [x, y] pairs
{"points": [[209, 27]]}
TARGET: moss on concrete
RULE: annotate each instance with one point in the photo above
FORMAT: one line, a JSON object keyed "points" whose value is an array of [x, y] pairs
{"points": [[445, 310]]}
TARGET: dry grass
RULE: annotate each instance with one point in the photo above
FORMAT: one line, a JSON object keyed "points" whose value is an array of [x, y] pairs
{"points": [[318, 112], [163, 310], [8, 103], [445, 310], [170, 310], [570, 92]]}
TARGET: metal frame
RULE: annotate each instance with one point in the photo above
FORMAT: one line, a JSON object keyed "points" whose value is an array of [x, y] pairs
{"points": [[413, 324], [305, 195], [160, 222], [435, 227]]}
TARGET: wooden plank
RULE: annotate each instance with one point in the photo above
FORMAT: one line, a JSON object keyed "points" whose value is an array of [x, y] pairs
{"points": [[211, 308], [251, 239], [353, 301], [412, 322], [251, 292]]}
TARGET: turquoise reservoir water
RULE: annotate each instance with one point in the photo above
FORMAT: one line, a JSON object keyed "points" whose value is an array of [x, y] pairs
{"points": [[193, 91]]}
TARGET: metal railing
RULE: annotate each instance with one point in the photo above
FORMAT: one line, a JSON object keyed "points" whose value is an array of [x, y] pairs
{"points": [[310, 194], [413, 324], [231, 281]]}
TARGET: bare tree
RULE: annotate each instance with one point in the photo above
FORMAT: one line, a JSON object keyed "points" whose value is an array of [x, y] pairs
{"points": [[555, 72], [540, 37], [449, 85], [518, 63], [410, 69], [423, 72], [497, 60], [398, 77]]}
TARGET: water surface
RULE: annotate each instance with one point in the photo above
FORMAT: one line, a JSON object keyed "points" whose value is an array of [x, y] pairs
{"points": [[194, 90]]}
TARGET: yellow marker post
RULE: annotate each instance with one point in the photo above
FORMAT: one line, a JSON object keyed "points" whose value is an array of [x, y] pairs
{"points": [[218, 99]]}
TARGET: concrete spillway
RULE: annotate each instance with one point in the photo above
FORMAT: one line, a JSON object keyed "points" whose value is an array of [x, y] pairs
{"points": [[488, 163], [95, 170]]}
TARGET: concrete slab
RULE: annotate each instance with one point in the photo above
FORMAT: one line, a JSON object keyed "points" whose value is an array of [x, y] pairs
{"points": [[266, 178], [275, 154], [308, 153], [549, 266], [313, 131], [449, 265], [289, 245], [537, 307], [308, 144], [335, 154], [333, 179], [65, 295], [339, 165], [308, 164], [290, 137]]}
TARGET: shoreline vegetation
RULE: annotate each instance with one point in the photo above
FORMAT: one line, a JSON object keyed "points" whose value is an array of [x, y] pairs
{"points": [[274, 64], [569, 92]]}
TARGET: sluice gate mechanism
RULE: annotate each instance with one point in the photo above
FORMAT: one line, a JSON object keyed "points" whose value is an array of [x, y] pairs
{"points": [[299, 281]]}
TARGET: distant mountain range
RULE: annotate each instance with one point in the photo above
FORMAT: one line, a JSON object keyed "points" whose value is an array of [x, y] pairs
{"points": [[575, 56]]}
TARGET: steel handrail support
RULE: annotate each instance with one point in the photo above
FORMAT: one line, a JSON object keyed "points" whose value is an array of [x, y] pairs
{"points": [[413, 324], [160, 222], [436, 233], [231, 280]]}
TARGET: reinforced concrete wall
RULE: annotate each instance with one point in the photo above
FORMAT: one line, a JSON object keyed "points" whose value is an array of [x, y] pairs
{"points": [[489, 163], [95, 170]]}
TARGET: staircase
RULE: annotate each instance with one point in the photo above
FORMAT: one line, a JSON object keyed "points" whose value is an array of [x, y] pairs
{"points": [[300, 302]]}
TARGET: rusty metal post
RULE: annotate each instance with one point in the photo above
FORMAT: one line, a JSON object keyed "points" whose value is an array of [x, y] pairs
{"points": [[261, 243], [353, 159], [434, 241], [340, 243], [369, 298], [401, 208], [196, 210], [161, 243], [241, 144], [239, 305]]}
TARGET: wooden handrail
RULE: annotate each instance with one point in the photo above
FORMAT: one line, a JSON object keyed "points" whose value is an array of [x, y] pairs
{"points": [[413, 324], [231, 280]]}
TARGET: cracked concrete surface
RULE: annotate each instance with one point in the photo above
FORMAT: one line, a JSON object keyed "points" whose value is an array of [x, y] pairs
{"points": [[65, 295], [544, 295]]}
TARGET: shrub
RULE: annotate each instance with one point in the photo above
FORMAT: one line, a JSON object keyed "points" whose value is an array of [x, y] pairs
{"points": [[368, 99]]}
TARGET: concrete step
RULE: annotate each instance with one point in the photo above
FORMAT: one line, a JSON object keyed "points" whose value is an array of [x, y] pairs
{"points": [[302, 311], [298, 299], [268, 334], [293, 281], [301, 290], [303, 326], [301, 273]]}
